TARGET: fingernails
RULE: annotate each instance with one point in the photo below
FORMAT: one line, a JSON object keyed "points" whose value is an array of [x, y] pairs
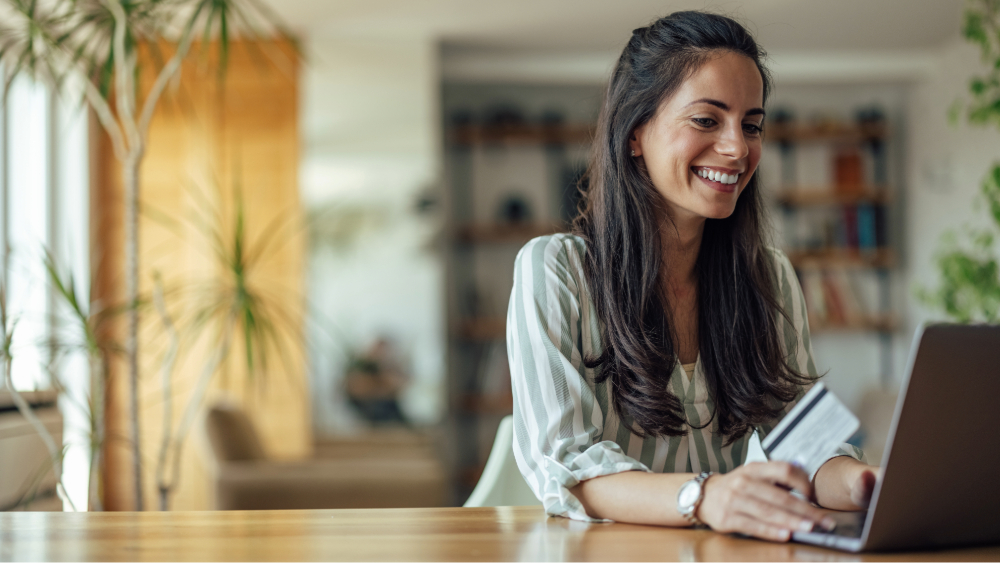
{"points": [[829, 524], [805, 526], [784, 535]]}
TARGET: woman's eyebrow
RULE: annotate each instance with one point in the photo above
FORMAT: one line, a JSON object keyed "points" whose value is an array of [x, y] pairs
{"points": [[725, 107]]}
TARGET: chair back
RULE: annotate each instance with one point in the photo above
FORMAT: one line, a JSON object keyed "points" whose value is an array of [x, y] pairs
{"points": [[501, 483], [231, 435]]}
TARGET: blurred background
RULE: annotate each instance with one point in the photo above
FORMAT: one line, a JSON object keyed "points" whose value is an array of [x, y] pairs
{"points": [[367, 181]]}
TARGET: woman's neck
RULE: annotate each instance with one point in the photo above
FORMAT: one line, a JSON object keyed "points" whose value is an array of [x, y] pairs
{"points": [[680, 240]]}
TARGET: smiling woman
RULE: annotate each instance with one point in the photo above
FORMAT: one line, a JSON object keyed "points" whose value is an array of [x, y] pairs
{"points": [[700, 152], [648, 346]]}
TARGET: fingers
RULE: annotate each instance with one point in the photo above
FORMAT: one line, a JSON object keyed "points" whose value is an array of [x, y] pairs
{"points": [[783, 473], [772, 514], [784, 501], [759, 529], [755, 500]]}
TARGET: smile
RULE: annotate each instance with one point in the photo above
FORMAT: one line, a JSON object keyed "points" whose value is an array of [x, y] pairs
{"points": [[717, 176]]}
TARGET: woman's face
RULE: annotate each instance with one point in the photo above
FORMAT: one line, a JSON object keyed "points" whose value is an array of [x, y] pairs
{"points": [[703, 144]]}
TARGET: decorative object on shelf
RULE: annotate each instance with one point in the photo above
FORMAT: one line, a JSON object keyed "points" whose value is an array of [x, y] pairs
{"points": [[374, 380], [969, 269], [504, 115], [514, 210]]}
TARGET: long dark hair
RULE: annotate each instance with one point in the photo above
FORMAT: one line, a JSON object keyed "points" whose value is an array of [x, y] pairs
{"points": [[739, 312]]}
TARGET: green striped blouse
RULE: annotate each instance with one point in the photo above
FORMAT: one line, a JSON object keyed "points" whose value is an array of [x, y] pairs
{"points": [[565, 429]]}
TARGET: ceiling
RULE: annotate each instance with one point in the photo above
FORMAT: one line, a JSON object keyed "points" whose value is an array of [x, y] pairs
{"points": [[597, 25]]}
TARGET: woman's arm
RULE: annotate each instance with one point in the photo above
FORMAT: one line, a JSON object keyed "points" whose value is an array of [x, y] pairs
{"points": [[558, 418], [844, 483], [753, 499]]}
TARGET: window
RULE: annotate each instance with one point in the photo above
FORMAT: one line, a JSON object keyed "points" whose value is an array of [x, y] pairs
{"points": [[44, 206]]}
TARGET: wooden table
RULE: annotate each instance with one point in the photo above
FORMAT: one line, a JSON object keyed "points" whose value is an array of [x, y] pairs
{"points": [[415, 534]]}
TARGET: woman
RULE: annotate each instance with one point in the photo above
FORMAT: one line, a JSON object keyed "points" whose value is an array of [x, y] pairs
{"points": [[646, 347]]}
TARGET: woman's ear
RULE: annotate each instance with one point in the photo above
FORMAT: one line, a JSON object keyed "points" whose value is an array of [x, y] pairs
{"points": [[635, 140]]}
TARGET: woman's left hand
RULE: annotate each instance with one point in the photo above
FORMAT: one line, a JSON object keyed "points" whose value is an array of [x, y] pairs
{"points": [[844, 483]]}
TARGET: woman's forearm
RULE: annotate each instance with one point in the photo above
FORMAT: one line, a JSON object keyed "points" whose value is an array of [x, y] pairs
{"points": [[752, 499], [837, 479], [634, 496]]}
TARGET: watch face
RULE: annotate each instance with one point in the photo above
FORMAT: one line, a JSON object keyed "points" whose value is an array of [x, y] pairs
{"points": [[688, 494]]}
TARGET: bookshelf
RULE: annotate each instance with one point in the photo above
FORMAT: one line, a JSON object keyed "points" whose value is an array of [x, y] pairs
{"points": [[529, 134], [838, 228], [511, 152]]}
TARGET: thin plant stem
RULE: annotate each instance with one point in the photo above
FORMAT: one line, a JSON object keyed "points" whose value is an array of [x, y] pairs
{"points": [[194, 403], [166, 373], [50, 444], [98, 374], [125, 98], [168, 72]]}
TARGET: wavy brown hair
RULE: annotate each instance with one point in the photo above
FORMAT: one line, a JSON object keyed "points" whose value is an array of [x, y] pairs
{"points": [[739, 313]]}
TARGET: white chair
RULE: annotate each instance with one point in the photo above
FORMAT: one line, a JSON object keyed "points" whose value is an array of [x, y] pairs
{"points": [[501, 483]]}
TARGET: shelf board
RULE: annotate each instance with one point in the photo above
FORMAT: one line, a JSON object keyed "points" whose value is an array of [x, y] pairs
{"points": [[504, 232], [880, 258], [803, 197], [873, 323], [482, 329], [522, 134], [487, 404], [835, 132]]}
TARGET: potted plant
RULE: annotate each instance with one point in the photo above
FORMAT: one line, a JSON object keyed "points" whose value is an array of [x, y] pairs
{"points": [[968, 264], [92, 47]]}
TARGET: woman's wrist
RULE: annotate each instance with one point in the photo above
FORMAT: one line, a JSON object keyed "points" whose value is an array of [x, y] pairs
{"points": [[701, 503]]}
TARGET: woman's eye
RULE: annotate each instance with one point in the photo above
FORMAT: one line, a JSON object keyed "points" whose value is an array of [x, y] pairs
{"points": [[704, 121], [752, 129]]}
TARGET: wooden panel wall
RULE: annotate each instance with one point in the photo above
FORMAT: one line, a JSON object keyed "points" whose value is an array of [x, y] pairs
{"points": [[209, 140]]}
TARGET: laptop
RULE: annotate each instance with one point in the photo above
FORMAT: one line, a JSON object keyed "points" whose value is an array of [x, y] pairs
{"points": [[940, 482]]}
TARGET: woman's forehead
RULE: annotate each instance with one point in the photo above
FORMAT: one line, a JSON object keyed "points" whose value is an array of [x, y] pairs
{"points": [[729, 78]]}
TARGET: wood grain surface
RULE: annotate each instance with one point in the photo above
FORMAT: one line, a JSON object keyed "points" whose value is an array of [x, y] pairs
{"points": [[415, 534]]}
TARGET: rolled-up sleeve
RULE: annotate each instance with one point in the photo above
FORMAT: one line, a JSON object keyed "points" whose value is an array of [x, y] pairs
{"points": [[558, 419], [796, 341]]}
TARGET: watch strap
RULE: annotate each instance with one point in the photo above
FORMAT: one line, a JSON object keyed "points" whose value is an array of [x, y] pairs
{"points": [[692, 515]]}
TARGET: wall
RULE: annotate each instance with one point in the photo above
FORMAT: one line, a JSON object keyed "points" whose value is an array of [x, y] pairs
{"points": [[946, 165], [371, 145]]}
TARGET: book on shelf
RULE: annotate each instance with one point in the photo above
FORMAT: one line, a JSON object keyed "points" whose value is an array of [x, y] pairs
{"points": [[854, 227], [833, 299]]}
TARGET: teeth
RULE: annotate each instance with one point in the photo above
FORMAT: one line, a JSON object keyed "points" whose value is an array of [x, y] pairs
{"points": [[718, 176]]}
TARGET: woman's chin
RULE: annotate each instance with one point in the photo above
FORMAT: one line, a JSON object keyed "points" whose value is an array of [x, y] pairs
{"points": [[722, 211]]}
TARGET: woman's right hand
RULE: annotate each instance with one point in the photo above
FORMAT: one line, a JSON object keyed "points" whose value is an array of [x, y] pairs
{"points": [[756, 499]]}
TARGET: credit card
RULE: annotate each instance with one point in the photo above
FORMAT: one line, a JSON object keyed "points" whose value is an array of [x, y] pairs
{"points": [[812, 431]]}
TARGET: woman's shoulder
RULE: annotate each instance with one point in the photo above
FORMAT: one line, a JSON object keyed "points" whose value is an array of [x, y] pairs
{"points": [[782, 265], [557, 248], [559, 254], [787, 280]]}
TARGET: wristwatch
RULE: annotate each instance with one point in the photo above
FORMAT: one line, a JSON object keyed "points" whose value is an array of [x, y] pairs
{"points": [[689, 497]]}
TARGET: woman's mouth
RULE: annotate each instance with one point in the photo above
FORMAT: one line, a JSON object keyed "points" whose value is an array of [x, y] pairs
{"points": [[718, 180]]}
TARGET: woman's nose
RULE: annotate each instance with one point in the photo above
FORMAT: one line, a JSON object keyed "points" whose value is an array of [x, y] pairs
{"points": [[731, 142]]}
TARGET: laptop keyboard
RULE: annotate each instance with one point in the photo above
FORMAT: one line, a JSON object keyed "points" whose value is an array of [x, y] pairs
{"points": [[849, 525]]}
